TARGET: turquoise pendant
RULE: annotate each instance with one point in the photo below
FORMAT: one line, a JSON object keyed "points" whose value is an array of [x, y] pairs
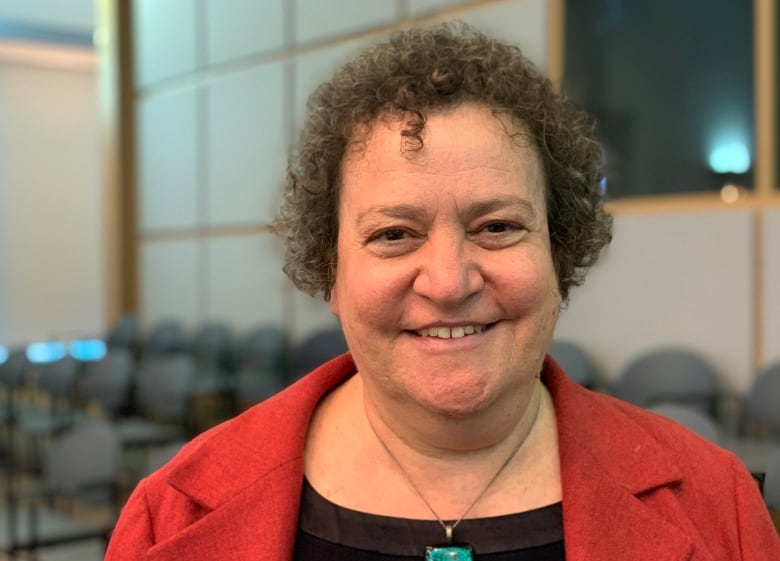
{"points": [[447, 552]]}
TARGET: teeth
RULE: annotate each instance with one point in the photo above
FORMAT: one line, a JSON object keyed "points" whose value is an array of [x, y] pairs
{"points": [[451, 332]]}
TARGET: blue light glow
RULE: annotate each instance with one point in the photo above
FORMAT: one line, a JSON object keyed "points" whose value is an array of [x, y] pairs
{"points": [[87, 349], [730, 158], [38, 353], [3, 354]]}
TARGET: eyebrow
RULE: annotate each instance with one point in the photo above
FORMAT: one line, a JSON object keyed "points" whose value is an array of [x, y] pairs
{"points": [[401, 211], [471, 212], [481, 208]]}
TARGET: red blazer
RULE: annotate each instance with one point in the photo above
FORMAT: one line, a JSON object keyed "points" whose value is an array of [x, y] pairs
{"points": [[635, 486]]}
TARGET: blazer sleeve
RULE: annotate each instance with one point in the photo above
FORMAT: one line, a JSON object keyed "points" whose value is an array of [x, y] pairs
{"points": [[133, 535], [758, 538]]}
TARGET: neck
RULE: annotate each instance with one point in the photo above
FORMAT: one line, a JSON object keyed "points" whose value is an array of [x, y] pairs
{"points": [[432, 472], [346, 462]]}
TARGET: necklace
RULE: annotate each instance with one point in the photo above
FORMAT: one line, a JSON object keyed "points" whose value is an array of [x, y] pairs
{"points": [[450, 551]]}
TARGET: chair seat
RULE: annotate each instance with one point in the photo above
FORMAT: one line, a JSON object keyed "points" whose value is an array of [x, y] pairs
{"points": [[44, 423], [53, 528], [136, 431], [755, 454]]}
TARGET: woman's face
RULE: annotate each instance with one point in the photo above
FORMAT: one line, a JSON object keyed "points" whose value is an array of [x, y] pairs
{"points": [[445, 285]]}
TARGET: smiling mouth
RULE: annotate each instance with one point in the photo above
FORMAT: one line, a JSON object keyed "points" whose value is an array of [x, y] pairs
{"points": [[451, 332]]}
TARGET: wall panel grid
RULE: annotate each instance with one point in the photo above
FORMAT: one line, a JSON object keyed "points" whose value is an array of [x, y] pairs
{"points": [[219, 90]]}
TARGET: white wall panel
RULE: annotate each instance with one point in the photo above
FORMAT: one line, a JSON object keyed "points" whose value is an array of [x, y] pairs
{"points": [[313, 68], [169, 288], [243, 27], [247, 146], [164, 39], [246, 285], [422, 7], [522, 22], [319, 20], [308, 315], [772, 286], [674, 279], [167, 161]]}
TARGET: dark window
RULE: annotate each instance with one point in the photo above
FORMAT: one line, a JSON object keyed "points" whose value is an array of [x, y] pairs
{"points": [[670, 84]]}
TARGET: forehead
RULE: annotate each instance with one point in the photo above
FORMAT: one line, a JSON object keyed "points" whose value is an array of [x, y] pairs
{"points": [[468, 143]]}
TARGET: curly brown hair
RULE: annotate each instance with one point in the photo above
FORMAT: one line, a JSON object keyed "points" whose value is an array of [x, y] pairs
{"points": [[418, 71]]}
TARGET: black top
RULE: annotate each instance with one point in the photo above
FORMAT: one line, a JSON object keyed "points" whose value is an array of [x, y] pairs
{"points": [[328, 532]]}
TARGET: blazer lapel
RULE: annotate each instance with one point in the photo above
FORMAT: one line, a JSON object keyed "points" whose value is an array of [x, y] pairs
{"points": [[618, 482], [604, 519], [249, 482], [240, 531]]}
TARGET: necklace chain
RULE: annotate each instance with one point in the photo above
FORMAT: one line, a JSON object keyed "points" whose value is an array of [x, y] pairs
{"points": [[449, 528]]}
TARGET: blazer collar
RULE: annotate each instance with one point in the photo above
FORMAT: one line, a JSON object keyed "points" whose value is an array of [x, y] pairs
{"points": [[605, 512], [612, 469], [231, 469]]}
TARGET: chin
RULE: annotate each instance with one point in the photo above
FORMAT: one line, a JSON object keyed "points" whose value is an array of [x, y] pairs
{"points": [[459, 401]]}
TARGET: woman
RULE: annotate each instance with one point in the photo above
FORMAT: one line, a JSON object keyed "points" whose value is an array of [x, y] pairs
{"points": [[444, 201]]}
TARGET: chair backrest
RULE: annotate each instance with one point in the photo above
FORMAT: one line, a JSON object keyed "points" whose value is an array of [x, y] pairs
{"points": [[88, 452], [264, 349], [108, 381], [696, 420], [165, 337], [762, 403], [164, 387], [253, 387], [315, 349], [772, 482], [125, 333], [669, 375], [213, 346], [13, 370], [574, 361], [57, 378], [158, 456]]}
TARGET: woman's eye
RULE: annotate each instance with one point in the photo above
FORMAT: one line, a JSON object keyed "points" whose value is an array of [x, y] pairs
{"points": [[498, 234], [394, 242], [498, 227], [501, 227], [393, 235]]}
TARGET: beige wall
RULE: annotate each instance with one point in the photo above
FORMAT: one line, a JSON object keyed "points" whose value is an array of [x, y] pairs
{"points": [[51, 275]]}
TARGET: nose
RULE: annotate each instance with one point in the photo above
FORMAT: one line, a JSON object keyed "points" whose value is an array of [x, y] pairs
{"points": [[448, 272]]}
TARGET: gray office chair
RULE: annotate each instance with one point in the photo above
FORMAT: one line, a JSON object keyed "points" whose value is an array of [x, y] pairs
{"points": [[264, 349], [164, 337], [107, 382], [163, 393], [696, 420], [762, 404], [574, 361], [35, 423], [772, 482], [670, 375], [125, 334], [262, 365], [213, 346], [80, 468], [318, 347], [12, 378]]}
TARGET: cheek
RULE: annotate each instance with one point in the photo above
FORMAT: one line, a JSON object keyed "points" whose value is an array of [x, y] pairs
{"points": [[368, 297], [529, 287]]}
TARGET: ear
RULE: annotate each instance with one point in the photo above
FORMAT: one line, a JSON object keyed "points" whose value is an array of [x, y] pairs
{"points": [[333, 301]]}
